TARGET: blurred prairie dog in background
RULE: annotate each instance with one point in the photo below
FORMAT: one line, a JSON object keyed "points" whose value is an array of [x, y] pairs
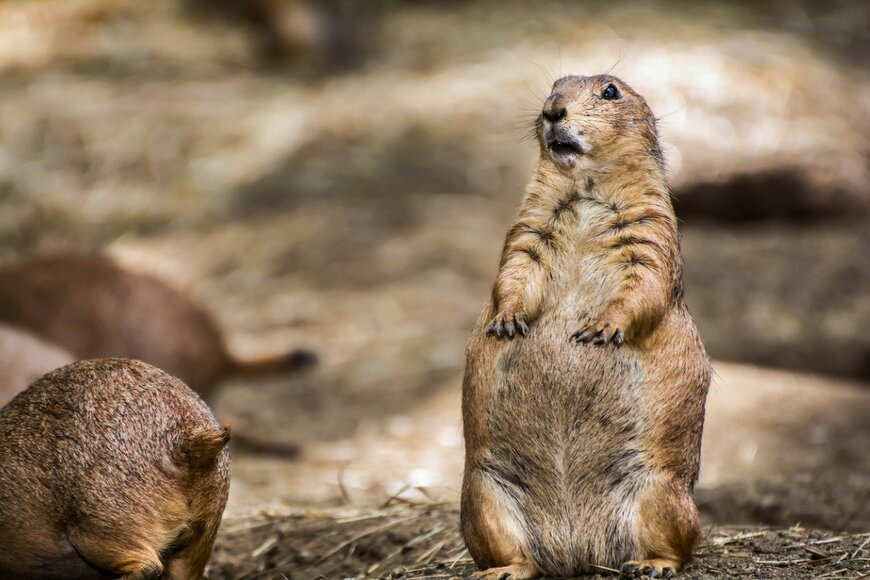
{"points": [[24, 358], [110, 468], [585, 380], [93, 307], [316, 35]]}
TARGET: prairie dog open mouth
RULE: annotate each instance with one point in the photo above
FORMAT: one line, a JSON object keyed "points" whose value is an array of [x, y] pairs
{"points": [[561, 147]]}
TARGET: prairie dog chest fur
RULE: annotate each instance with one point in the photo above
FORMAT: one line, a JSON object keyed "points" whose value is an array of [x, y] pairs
{"points": [[586, 243], [603, 242], [585, 380]]}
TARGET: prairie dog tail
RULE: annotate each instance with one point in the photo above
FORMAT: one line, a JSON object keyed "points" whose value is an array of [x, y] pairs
{"points": [[202, 446], [295, 360]]}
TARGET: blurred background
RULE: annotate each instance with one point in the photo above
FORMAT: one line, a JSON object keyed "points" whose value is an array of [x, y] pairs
{"points": [[340, 175]]}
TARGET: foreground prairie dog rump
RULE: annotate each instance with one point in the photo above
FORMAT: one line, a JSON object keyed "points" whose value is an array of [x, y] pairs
{"points": [[585, 380], [111, 468]]}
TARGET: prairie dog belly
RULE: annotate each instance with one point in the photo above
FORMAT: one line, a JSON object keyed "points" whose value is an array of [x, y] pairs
{"points": [[572, 432], [565, 443], [586, 400]]}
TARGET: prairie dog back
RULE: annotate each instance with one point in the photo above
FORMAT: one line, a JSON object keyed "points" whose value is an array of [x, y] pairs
{"points": [[94, 307]]}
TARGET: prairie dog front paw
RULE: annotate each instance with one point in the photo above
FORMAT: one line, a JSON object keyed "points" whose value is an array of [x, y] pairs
{"points": [[509, 323], [604, 330]]}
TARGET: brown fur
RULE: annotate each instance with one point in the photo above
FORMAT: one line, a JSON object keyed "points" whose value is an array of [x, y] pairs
{"points": [[94, 308], [111, 468], [24, 358], [583, 428]]}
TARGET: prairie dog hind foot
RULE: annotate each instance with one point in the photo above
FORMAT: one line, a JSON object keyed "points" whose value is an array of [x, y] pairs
{"points": [[653, 568], [521, 570]]}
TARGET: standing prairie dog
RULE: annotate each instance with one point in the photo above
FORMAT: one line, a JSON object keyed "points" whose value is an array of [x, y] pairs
{"points": [[585, 380], [110, 468], [91, 306]]}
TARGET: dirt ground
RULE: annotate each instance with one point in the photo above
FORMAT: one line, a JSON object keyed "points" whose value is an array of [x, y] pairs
{"points": [[423, 542], [360, 213], [781, 449]]}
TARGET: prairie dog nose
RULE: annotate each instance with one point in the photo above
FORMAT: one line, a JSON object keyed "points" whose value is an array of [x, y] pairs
{"points": [[554, 108]]}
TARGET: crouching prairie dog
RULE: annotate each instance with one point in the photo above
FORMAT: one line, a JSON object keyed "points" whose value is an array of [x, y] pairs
{"points": [[111, 468], [91, 306], [24, 358], [585, 380]]}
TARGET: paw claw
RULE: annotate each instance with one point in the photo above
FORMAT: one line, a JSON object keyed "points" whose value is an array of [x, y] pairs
{"points": [[628, 570], [509, 325], [599, 335], [647, 568], [522, 325], [581, 336]]}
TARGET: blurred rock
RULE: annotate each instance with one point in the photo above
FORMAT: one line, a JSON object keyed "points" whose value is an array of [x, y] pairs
{"points": [[794, 296], [779, 194], [785, 448]]}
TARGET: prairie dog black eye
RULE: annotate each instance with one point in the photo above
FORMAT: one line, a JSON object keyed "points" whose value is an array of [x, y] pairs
{"points": [[610, 93]]}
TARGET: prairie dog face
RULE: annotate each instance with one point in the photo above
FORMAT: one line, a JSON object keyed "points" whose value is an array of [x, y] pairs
{"points": [[593, 123]]}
